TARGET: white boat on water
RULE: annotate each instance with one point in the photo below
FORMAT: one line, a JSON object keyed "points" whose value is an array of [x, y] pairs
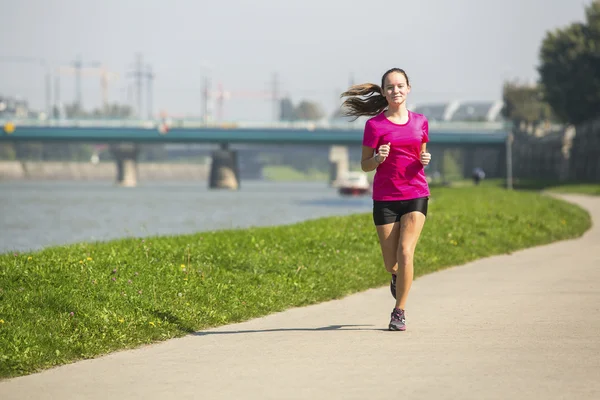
{"points": [[354, 184]]}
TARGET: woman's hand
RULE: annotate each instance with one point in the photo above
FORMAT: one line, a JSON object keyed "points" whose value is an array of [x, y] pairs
{"points": [[382, 153], [425, 158]]}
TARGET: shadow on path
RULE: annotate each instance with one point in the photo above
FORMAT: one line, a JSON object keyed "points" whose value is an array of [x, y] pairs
{"points": [[324, 328]]}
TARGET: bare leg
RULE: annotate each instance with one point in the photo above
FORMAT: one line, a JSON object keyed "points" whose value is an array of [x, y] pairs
{"points": [[411, 225], [389, 235]]}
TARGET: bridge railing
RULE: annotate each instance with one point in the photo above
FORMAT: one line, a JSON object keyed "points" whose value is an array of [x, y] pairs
{"points": [[482, 127]]}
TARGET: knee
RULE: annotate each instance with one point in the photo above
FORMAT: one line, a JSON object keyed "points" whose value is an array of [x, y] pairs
{"points": [[405, 254], [392, 270], [391, 267]]}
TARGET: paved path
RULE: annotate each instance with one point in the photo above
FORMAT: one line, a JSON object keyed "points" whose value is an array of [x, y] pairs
{"points": [[519, 326]]}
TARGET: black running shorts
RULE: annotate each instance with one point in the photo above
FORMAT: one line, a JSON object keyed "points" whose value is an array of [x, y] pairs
{"points": [[388, 212]]}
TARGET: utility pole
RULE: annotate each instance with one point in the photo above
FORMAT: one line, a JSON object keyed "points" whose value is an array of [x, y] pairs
{"points": [[220, 100], [77, 66], [205, 72], [57, 105], [150, 77], [275, 96], [205, 99], [130, 96], [48, 94], [509, 162], [140, 75]]}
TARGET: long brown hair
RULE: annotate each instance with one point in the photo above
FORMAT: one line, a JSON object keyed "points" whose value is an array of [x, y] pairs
{"points": [[366, 99]]}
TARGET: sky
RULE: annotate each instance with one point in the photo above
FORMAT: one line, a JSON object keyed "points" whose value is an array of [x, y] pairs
{"points": [[451, 50]]}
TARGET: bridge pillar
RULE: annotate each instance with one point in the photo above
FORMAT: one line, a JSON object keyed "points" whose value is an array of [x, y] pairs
{"points": [[339, 164], [224, 172], [126, 156]]}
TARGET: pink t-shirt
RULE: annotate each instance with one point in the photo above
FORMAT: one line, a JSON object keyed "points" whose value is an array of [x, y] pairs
{"points": [[401, 176]]}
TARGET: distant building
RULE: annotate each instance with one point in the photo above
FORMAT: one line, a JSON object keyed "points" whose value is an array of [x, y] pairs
{"points": [[433, 111], [480, 111], [11, 107], [454, 111]]}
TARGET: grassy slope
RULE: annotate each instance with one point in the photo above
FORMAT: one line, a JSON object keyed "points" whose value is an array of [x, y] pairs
{"points": [[67, 303]]}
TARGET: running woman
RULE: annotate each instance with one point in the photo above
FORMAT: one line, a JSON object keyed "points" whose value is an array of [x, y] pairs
{"points": [[395, 144]]}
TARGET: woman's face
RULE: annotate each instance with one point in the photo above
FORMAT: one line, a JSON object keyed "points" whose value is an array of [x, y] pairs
{"points": [[395, 88]]}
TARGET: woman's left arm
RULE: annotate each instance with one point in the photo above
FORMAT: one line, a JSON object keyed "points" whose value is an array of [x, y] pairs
{"points": [[425, 156]]}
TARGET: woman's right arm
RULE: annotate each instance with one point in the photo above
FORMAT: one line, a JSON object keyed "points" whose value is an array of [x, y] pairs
{"points": [[369, 160]]}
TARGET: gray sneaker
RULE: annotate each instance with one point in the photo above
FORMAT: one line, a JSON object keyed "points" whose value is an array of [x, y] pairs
{"points": [[398, 322], [393, 285]]}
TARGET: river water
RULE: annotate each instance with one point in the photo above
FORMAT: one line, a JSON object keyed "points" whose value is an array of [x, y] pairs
{"points": [[34, 215]]}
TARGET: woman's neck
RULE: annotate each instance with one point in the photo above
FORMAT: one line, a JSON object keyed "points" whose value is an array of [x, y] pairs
{"points": [[397, 111]]}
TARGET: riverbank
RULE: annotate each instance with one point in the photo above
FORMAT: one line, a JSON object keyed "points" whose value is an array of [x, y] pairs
{"points": [[74, 302], [104, 171]]}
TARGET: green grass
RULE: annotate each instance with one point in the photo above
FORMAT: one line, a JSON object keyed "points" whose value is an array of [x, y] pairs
{"points": [[532, 185], [558, 187], [582, 188], [75, 302]]}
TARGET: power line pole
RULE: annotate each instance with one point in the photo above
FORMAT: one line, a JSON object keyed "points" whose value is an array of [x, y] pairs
{"points": [[138, 74], [509, 163], [57, 105], [77, 65], [139, 83], [206, 100], [48, 93], [275, 96], [220, 101], [150, 77], [130, 101]]}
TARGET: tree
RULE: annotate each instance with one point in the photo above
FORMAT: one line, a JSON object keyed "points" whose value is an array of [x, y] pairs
{"points": [[66, 151], [109, 111], [29, 151], [305, 111], [7, 151], [308, 111], [153, 152], [570, 69], [524, 106], [114, 111], [74, 111]]}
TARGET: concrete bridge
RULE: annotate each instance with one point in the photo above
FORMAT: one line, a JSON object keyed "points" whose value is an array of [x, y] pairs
{"points": [[124, 137]]}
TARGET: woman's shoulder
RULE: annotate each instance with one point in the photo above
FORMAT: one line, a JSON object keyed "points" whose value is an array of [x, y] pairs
{"points": [[376, 119], [373, 124], [417, 117]]}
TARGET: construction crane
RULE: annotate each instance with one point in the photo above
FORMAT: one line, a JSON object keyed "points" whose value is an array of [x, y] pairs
{"points": [[221, 95], [105, 75]]}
